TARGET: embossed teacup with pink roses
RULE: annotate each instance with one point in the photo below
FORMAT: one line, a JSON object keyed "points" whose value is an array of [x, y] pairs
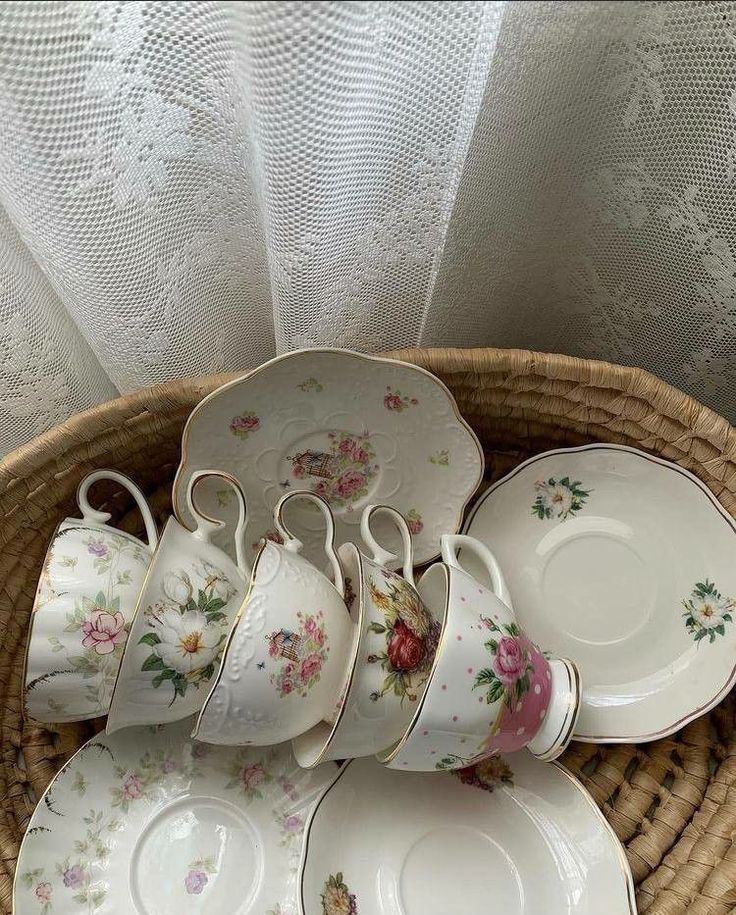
{"points": [[85, 600], [491, 690]]}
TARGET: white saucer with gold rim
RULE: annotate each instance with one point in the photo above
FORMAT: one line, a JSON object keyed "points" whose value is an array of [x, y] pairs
{"points": [[509, 835], [624, 563], [148, 821]]}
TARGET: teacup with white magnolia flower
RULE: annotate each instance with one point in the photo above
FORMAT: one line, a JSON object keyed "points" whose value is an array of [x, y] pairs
{"points": [[85, 600], [188, 603]]}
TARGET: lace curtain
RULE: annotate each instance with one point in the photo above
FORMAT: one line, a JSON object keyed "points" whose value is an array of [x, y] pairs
{"points": [[195, 186]]}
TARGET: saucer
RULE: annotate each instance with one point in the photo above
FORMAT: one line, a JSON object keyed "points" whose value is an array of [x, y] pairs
{"points": [[624, 563], [511, 836], [148, 821], [355, 429]]}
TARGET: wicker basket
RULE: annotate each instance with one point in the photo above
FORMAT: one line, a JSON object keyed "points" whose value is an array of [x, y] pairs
{"points": [[672, 803]]}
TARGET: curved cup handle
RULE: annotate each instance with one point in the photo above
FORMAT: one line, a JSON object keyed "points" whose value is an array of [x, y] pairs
{"points": [[451, 543], [380, 554], [294, 545], [207, 527], [100, 517]]}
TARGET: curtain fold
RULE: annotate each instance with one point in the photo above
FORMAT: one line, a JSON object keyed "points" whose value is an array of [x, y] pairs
{"points": [[194, 187]]}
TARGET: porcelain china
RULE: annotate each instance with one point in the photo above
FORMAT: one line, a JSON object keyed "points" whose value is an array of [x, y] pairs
{"points": [[352, 428], [491, 690], [148, 821], [392, 655], [509, 835], [287, 654], [625, 563], [188, 602], [85, 600]]}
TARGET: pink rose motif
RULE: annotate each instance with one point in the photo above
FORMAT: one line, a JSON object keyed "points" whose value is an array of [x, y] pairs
{"points": [[349, 482], [248, 422], [287, 686], [195, 882], [311, 665], [346, 446], [298, 471], [253, 776], [43, 892], [360, 456], [293, 823], [74, 876], [321, 488], [392, 402], [289, 668], [273, 646], [414, 523], [97, 548], [132, 788], [103, 631], [510, 661], [310, 626]]}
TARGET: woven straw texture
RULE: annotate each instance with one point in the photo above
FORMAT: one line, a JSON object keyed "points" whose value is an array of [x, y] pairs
{"points": [[672, 803]]}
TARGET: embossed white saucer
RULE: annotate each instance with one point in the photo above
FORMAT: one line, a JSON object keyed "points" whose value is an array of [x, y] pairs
{"points": [[509, 835], [355, 429], [624, 563], [148, 821]]}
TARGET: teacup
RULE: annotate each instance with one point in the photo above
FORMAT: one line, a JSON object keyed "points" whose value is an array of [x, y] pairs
{"points": [[84, 603], [392, 655], [187, 604], [491, 690], [286, 655]]}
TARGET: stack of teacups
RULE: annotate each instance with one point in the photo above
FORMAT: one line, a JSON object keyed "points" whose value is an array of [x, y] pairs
{"points": [[356, 662]]}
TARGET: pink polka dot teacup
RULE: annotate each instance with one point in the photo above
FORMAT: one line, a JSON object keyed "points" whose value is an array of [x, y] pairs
{"points": [[491, 690]]}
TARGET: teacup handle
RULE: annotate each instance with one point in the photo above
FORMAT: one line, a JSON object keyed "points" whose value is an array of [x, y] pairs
{"points": [[294, 545], [380, 554], [207, 527], [450, 544], [100, 517]]}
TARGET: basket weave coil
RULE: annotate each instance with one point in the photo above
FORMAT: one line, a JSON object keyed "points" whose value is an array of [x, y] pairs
{"points": [[672, 803]]}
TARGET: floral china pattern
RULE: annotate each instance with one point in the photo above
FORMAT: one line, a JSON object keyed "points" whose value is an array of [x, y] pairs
{"points": [[337, 898], [246, 423], [558, 499], [342, 472], [440, 458], [303, 652], [97, 623], [311, 385], [507, 679], [396, 401], [186, 632], [411, 635], [198, 875], [248, 776], [414, 521], [707, 611], [487, 774]]}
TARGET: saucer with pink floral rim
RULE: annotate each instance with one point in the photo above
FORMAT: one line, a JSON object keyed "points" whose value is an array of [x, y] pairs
{"points": [[354, 429], [148, 821], [624, 563], [510, 835]]}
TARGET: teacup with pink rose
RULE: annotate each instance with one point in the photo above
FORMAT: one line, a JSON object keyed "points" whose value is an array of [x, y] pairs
{"points": [[491, 689]]}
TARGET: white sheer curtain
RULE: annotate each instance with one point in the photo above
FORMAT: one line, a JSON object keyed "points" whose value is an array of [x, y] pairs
{"points": [[194, 186]]}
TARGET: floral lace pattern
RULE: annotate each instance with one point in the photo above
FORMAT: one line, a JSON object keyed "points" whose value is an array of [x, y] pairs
{"points": [[342, 472]]}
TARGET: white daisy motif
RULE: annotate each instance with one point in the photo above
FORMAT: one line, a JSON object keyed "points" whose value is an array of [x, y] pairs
{"points": [[709, 611], [186, 644], [558, 498]]}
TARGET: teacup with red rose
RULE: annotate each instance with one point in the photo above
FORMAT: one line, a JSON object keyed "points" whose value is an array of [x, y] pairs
{"points": [[86, 596], [491, 690], [392, 655]]}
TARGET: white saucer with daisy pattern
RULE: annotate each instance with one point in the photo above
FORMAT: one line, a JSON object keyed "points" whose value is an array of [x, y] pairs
{"points": [[626, 564]]}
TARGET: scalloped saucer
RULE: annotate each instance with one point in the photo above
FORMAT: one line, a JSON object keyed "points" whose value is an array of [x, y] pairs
{"points": [[508, 835], [148, 821], [356, 429], [624, 563]]}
